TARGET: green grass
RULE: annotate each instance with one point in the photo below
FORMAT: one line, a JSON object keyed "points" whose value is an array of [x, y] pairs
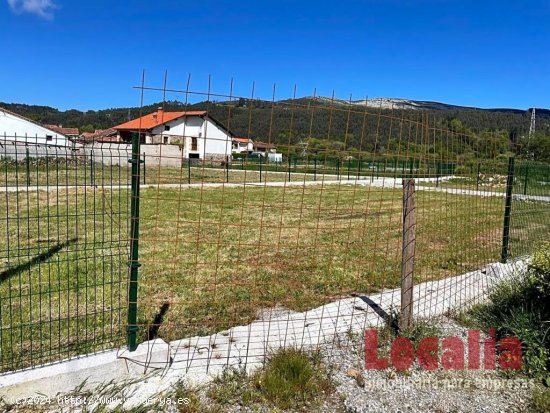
{"points": [[290, 380], [218, 255], [74, 172]]}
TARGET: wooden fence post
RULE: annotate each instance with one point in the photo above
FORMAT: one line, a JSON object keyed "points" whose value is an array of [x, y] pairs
{"points": [[407, 255]]}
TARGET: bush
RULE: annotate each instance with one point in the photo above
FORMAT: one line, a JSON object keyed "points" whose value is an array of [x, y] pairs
{"points": [[521, 307]]}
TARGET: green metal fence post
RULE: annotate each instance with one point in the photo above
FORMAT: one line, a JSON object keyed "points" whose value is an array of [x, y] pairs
{"points": [[349, 166], [227, 168], [289, 161], [133, 263], [525, 180], [92, 173], [437, 172], [189, 171], [478, 175], [260, 167], [507, 212], [144, 170], [337, 168], [315, 169], [28, 166]]}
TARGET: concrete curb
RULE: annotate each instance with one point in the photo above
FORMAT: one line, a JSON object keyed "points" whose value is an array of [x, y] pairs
{"points": [[63, 377]]}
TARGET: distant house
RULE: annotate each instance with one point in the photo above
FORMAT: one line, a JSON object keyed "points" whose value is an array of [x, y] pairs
{"points": [[242, 145], [197, 133], [69, 132], [267, 150], [264, 148], [17, 128], [100, 135]]}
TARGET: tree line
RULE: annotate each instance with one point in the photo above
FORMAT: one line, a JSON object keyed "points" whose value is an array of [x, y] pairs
{"points": [[307, 124]]}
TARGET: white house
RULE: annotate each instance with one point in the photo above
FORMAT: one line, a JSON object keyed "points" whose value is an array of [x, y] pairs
{"points": [[243, 145], [198, 134], [16, 128]]}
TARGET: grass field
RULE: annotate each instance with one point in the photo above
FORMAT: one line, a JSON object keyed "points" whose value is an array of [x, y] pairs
{"points": [[530, 178], [114, 175], [212, 258]]}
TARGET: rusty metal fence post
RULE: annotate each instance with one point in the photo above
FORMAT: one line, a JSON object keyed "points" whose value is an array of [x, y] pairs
{"points": [[407, 254]]}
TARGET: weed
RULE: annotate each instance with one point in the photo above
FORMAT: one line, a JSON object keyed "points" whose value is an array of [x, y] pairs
{"points": [[290, 379], [541, 399], [420, 329]]}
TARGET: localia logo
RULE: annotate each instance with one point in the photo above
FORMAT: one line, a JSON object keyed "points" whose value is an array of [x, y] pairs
{"points": [[449, 352]]}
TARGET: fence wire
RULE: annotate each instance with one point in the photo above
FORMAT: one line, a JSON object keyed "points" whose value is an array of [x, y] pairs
{"points": [[63, 253], [295, 240]]}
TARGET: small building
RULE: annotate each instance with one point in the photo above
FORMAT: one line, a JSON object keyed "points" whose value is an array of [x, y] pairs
{"points": [[17, 128], [268, 150], [242, 145], [69, 132], [264, 148], [100, 135], [198, 134], [275, 157]]}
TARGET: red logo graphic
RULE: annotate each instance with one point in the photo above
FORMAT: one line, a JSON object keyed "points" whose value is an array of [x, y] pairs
{"points": [[427, 354]]}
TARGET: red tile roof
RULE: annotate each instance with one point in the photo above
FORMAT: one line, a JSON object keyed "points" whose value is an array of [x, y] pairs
{"points": [[154, 119], [62, 130], [242, 140], [100, 135]]}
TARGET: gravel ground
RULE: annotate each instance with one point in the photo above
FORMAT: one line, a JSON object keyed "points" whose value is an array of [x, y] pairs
{"points": [[418, 390], [359, 390]]}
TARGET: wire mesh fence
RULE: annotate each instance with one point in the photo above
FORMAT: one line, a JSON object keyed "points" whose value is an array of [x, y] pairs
{"points": [[292, 240], [63, 254]]}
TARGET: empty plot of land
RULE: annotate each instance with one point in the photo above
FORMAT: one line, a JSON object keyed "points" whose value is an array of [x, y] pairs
{"points": [[213, 257]]}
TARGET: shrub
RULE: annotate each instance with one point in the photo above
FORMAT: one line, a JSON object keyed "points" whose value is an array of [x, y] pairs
{"points": [[521, 306]]}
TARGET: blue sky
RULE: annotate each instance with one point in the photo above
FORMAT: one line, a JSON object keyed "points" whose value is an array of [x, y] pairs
{"points": [[88, 54]]}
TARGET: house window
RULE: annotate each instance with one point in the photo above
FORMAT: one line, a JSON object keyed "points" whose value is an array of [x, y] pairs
{"points": [[166, 127], [49, 138], [165, 139], [194, 144]]}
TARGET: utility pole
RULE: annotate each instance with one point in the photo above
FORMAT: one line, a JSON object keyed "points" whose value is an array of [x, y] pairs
{"points": [[531, 133]]}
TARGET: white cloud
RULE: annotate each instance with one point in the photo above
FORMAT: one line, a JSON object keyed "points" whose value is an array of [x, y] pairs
{"points": [[42, 8]]}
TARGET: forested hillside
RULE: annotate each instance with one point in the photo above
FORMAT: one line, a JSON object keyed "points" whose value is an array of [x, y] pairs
{"points": [[336, 125]]}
